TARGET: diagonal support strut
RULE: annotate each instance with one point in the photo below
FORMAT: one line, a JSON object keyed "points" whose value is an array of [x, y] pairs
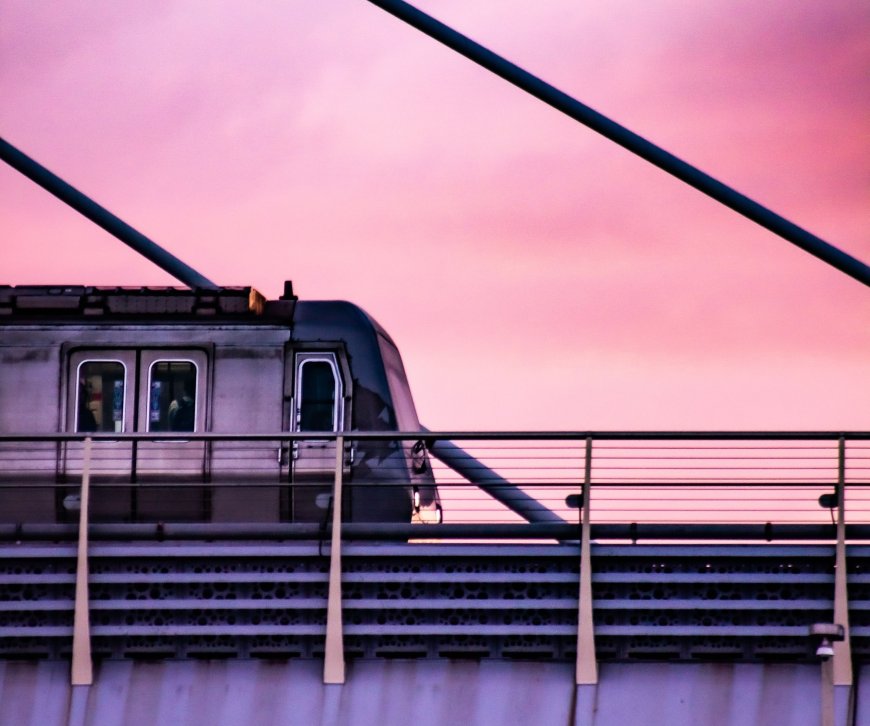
{"points": [[102, 217], [635, 143]]}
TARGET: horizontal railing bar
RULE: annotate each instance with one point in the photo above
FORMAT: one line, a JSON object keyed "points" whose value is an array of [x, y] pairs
{"points": [[302, 554], [391, 531], [306, 551], [458, 435], [219, 481]]}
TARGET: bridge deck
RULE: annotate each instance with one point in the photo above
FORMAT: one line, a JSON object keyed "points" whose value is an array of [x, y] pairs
{"points": [[750, 602]]}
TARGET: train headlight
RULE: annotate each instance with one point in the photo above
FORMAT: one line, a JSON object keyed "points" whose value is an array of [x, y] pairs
{"points": [[416, 499]]}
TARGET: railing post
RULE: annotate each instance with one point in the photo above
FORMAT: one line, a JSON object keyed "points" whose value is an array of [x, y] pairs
{"points": [[586, 672], [837, 671], [841, 662], [333, 665], [82, 665]]}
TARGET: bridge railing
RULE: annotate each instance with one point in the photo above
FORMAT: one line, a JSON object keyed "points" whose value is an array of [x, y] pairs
{"points": [[590, 592], [640, 485], [761, 484]]}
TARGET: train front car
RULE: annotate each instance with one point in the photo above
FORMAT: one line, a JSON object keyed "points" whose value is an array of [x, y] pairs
{"points": [[348, 375], [162, 363]]}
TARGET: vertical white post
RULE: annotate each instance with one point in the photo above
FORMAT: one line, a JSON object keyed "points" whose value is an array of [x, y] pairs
{"points": [[842, 659], [837, 671], [82, 666], [586, 672], [333, 665]]}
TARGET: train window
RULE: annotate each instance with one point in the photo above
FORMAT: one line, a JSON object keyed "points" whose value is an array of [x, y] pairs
{"points": [[318, 394], [172, 395], [100, 398], [400, 391]]}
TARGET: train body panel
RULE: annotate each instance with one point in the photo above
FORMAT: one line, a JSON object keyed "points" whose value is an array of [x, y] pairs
{"points": [[153, 360]]}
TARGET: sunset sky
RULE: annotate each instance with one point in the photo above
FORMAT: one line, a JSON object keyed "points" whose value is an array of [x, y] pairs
{"points": [[533, 274]]}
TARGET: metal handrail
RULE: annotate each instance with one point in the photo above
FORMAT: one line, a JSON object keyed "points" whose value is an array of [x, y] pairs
{"points": [[578, 435], [733, 487]]}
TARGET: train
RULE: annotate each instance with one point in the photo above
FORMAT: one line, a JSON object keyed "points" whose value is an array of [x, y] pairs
{"points": [[179, 393], [171, 363]]}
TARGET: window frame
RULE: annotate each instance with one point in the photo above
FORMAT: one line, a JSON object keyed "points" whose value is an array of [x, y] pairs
{"points": [[147, 357], [74, 411], [196, 393], [338, 403]]}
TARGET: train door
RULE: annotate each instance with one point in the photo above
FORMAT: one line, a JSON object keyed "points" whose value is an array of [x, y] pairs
{"points": [[100, 399], [318, 406], [172, 386], [144, 391]]}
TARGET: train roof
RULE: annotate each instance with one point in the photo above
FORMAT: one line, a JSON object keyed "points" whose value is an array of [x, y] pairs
{"points": [[79, 303]]}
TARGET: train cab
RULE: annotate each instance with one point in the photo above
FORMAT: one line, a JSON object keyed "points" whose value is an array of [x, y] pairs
{"points": [[273, 380]]}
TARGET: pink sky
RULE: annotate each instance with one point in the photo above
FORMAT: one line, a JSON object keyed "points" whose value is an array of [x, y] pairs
{"points": [[534, 275]]}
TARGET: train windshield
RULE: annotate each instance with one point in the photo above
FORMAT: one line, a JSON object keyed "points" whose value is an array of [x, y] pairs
{"points": [[400, 391]]}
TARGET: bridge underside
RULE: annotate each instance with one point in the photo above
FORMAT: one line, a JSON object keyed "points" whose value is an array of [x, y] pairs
{"points": [[424, 692]]}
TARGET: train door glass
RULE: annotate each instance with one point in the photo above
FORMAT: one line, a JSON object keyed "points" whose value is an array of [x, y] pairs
{"points": [[318, 407], [100, 396], [169, 471], [172, 396], [100, 393]]}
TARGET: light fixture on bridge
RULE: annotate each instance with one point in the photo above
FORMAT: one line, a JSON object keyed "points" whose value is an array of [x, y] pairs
{"points": [[72, 502], [829, 500], [827, 634]]}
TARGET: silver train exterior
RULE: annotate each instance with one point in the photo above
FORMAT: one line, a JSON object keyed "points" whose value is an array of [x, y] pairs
{"points": [[152, 360]]}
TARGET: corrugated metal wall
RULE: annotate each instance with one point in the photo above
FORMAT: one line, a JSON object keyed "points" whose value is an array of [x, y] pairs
{"points": [[425, 692]]}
